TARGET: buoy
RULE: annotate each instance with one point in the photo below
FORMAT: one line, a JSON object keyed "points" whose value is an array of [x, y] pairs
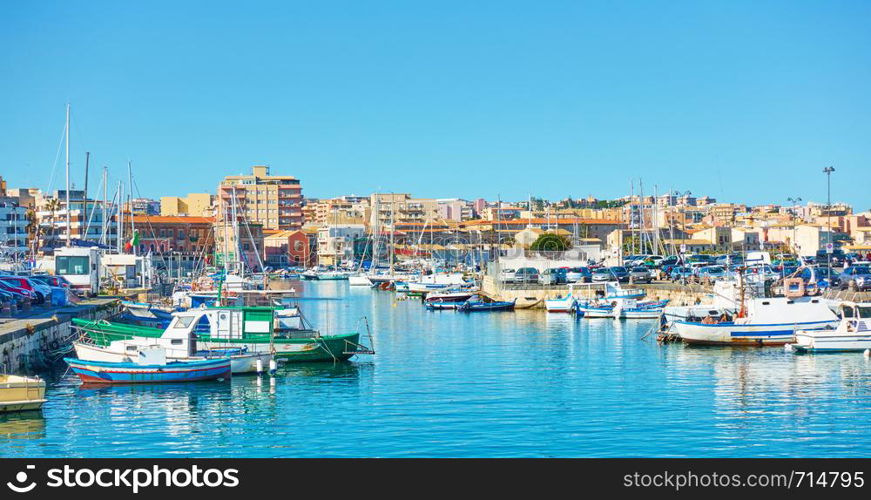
{"points": [[259, 365], [868, 353], [273, 365]]}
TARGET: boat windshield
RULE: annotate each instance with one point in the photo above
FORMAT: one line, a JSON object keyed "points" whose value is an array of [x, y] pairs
{"points": [[183, 321], [864, 312]]}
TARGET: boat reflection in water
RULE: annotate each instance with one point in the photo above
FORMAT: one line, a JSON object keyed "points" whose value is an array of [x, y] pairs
{"points": [[24, 425]]}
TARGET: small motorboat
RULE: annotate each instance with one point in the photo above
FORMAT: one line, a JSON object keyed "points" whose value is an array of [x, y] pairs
{"points": [[450, 299], [149, 368], [853, 333], [480, 304], [621, 309], [560, 304], [19, 393]]}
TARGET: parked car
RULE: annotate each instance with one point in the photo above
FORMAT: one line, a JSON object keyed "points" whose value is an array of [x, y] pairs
{"points": [[507, 275], [58, 281], [856, 278], [20, 293], [699, 258], [41, 291], [553, 276], [681, 273], [711, 273], [613, 273], [640, 274], [837, 257], [579, 275], [526, 275]]}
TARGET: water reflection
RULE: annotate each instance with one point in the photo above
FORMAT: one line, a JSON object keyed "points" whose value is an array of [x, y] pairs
{"points": [[22, 425], [444, 383]]}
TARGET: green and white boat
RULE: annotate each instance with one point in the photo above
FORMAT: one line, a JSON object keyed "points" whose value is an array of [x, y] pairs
{"points": [[280, 331]]}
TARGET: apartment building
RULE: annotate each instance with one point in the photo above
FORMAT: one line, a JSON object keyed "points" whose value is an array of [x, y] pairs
{"points": [[273, 202], [194, 204], [403, 208]]}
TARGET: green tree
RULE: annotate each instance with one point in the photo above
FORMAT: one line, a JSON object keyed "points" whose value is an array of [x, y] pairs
{"points": [[551, 243]]}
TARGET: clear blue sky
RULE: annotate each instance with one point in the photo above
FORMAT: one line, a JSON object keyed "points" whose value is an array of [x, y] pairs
{"points": [[743, 101]]}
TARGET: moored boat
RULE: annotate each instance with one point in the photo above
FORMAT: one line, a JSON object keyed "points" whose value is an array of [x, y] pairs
{"points": [[480, 305], [560, 304], [20, 393], [127, 351], [151, 371], [620, 309], [280, 331], [853, 333], [763, 321]]}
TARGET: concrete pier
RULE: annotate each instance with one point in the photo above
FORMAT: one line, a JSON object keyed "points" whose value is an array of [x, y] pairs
{"points": [[27, 339], [534, 295]]}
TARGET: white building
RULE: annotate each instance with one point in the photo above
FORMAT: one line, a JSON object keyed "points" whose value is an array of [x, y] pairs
{"points": [[336, 243]]}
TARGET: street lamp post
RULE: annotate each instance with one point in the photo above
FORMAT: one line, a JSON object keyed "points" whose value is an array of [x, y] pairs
{"points": [[828, 171]]}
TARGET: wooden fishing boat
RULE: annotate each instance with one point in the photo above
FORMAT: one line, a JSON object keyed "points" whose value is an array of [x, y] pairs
{"points": [[280, 331], [762, 321], [19, 393], [126, 351], [103, 372]]}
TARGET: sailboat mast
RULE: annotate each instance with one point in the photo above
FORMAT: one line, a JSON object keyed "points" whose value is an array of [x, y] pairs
{"points": [[130, 204], [67, 133], [86, 216], [120, 236], [105, 213]]}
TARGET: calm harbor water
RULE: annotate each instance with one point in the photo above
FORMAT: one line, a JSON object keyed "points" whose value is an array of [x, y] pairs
{"points": [[484, 385]]}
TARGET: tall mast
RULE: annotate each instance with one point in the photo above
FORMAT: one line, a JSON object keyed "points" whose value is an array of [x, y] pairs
{"points": [[119, 243], [86, 217], [105, 213], [67, 132], [130, 203]]}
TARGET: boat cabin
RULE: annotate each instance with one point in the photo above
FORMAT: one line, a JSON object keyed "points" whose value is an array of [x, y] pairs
{"points": [[857, 316]]}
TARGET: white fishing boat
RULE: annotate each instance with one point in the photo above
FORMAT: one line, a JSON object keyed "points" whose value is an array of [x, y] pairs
{"points": [[439, 281], [19, 393], [128, 350], [561, 304], [762, 321], [620, 309], [853, 333]]}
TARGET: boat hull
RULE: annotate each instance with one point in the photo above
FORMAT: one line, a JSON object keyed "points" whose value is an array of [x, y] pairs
{"points": [[824, 341], [19, 393], [359, 281], [239, 364], [563, 305], [97, 372], [772, 334]]}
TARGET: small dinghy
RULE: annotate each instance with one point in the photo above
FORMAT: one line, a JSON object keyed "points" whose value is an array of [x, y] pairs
{"points": [[151, 367]]}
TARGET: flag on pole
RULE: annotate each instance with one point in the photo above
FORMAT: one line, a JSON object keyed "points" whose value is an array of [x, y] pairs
{"points": [[132, 243]]}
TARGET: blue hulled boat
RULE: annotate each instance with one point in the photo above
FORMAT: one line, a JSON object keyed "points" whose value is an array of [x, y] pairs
{"points": [[104, 372]]}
